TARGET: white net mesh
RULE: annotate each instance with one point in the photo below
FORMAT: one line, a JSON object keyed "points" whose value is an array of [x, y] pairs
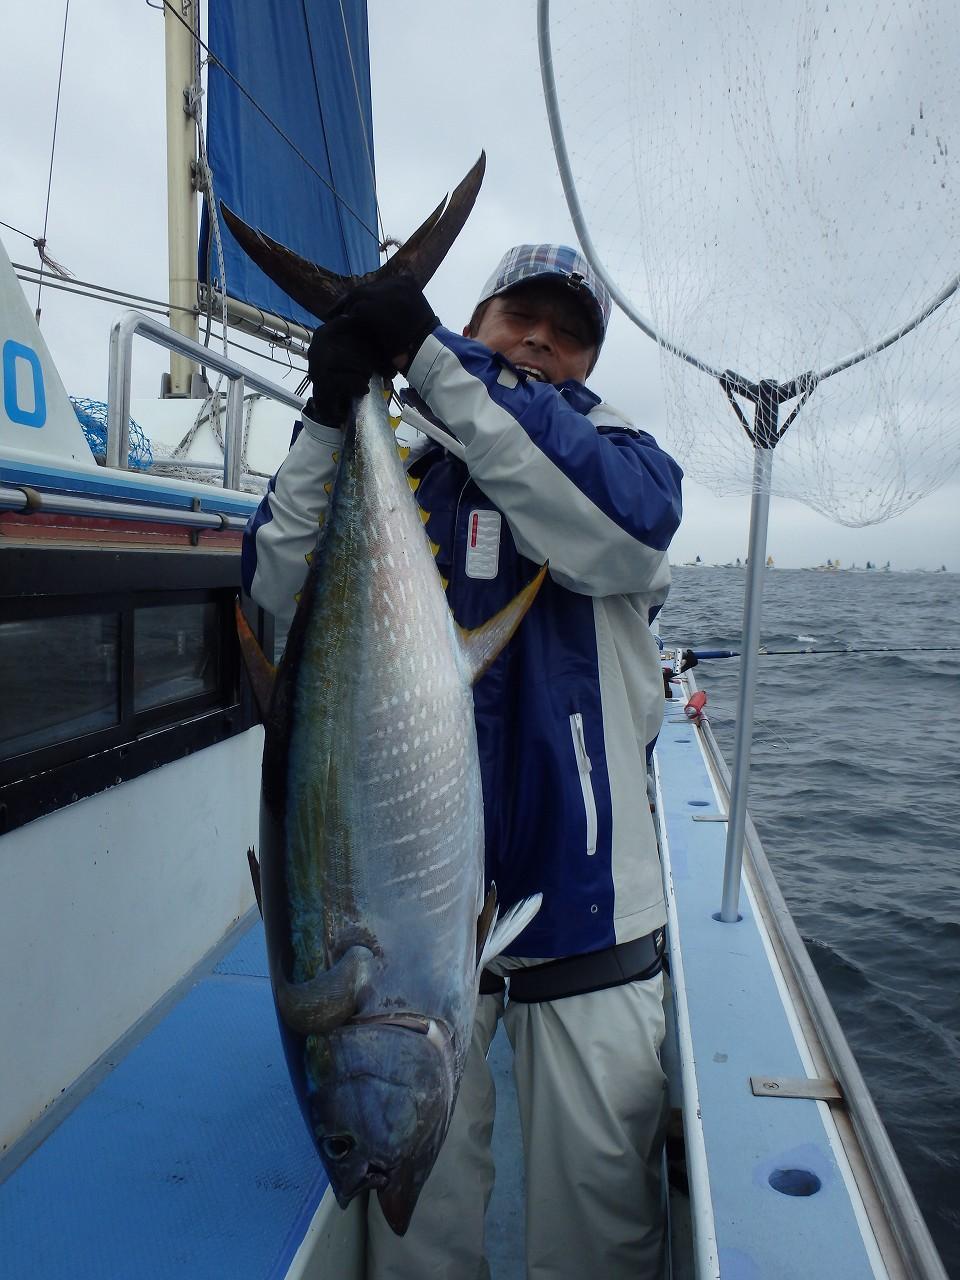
{"points": [[774, 187]]}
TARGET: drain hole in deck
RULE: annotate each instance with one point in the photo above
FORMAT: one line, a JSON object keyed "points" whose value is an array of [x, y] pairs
{"points": [[698, 804], [795, 1182]]}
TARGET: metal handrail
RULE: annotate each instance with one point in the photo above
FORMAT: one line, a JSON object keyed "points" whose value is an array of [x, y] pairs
{"points": [[16, 498], [134, 323], [903, 1217]]}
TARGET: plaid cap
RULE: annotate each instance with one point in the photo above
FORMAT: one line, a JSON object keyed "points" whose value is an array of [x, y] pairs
{"points": [[528, 261]]}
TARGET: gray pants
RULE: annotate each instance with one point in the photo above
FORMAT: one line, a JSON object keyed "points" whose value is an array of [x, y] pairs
{"points": [[593, 1105]]}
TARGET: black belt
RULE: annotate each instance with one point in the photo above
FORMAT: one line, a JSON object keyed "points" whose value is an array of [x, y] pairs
{"points": [[578, 975]]}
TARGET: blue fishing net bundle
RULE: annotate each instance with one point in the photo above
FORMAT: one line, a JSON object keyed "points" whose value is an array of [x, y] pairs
{"points": [[92, 415]]}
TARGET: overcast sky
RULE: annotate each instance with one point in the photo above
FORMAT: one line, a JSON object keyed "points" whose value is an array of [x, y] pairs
{"points": [[450, 77]]}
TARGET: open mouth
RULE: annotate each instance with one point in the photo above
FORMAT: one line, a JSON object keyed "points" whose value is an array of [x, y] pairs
{"points": [[537, 374]]}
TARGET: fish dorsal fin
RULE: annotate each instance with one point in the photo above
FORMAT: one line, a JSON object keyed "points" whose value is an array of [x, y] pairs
{"points": [[261, 671], [482, 645], [510, 926], [486, 920]]}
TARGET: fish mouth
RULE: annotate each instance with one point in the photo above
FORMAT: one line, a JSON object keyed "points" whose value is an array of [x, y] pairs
{"points": [[397, 1194]]}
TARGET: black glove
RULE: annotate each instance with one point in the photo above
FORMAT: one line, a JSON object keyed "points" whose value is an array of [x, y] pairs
{"points": [[395, 316], [340, 362]]}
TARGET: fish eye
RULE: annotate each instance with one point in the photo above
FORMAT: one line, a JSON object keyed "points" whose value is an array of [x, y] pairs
{"points": [[337, 1147]]}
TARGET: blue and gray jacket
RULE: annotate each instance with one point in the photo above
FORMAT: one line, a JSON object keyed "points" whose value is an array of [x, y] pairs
{"points": [[568, 712]]}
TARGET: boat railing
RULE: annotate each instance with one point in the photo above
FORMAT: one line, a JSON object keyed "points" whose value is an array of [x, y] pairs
{"points": [[895, 1208], [135, 324]]}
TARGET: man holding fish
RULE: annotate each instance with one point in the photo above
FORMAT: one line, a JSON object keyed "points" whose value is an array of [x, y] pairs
{"points": [[539, 471]]}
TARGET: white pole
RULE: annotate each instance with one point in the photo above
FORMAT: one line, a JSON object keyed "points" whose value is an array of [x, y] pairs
{"points": [[749, 648], [181, 194]]}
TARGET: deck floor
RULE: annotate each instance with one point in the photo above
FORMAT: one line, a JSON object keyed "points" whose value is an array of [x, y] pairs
{"points": [[190, 1159]]}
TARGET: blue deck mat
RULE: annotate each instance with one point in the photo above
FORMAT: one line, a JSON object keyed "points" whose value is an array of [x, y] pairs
{"points": [[739, 1028], [191, 1159]]}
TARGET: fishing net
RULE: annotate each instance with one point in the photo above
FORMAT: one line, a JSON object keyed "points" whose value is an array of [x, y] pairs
{"points": [[92, 415], [774, 187]]}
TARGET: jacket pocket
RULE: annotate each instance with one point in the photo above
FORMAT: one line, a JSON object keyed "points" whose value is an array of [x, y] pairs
{"points": [[586, 784]]}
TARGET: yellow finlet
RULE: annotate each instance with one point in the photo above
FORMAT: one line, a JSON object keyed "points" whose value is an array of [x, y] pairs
{"points": [[394, 421], [404, 451], [434, 547], [334, 457], [387, 393], [309, 557], [424, 515], [444, 582], [328, 487], [413, 482], [297, 596]]}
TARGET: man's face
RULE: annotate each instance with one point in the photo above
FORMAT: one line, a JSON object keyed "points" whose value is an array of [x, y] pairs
{"points": [[541, 327]]}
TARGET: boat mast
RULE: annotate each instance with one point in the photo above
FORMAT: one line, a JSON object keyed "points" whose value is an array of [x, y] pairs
{"points": [[180, 57]]}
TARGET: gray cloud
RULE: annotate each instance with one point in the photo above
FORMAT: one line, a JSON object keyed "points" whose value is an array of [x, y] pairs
{"points": [[449, 78]]}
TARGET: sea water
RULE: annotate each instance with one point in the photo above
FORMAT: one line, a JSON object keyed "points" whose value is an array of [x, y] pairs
{"points": [[855, 790]]}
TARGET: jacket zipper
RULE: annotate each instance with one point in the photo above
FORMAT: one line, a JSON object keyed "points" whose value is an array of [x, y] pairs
{"points": [[452, 585], [584, 768]]}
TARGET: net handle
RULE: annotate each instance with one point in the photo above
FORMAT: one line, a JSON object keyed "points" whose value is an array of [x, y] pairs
{"points": [[948, 290], [590, 253]]}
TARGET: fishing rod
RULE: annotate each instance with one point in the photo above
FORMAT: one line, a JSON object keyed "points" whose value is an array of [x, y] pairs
{"points": [[701, 654]]}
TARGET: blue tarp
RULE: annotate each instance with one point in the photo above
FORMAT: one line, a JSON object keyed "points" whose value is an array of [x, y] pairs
{"points": [[306, 63]]}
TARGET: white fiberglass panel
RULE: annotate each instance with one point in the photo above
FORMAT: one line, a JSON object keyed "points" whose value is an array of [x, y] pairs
{"points": [[107, 903], [35, 414]]}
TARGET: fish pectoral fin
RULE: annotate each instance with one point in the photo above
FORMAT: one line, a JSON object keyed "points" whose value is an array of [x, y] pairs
{"points": [[482, 645], [327, 1001], [486, 920], [255, 877], [262, 672], [509, 926]]}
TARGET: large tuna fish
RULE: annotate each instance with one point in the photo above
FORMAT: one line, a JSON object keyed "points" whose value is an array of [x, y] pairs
{"points": [[372, 885]]}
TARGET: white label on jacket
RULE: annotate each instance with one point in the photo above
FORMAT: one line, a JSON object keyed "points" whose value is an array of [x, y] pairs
{"points": [[584, 768], [483, 544]]}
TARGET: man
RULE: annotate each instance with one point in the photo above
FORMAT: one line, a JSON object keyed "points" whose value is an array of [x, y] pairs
{"points": [[565, 720]]}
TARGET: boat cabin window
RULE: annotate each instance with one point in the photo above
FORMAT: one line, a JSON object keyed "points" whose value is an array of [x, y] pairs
{"points": [[176, 653], [113, 663], [60, 679]]}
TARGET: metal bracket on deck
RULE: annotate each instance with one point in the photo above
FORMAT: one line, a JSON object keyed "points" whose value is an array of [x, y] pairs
{"points": [[798, 1087]]}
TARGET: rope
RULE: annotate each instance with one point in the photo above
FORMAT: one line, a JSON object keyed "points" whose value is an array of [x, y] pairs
{"points": [[26, 234], [212, 57], [42, 243], [103, 292], [323, 123], [99, 293], [206, 174], [385, 241]]}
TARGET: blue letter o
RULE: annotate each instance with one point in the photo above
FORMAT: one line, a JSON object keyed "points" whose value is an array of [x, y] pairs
{"points": [[36, 417]]}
